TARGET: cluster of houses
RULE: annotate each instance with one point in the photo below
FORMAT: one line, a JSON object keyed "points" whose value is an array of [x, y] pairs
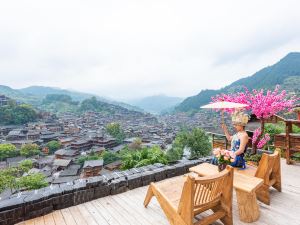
{"points": [[81, 135]]}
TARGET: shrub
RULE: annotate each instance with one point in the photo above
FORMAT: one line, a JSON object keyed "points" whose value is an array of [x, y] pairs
{"points": [[32, 181], [7, 151], [28, 150]]}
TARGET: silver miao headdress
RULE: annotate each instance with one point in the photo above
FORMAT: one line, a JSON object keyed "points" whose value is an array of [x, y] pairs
{"points": [[240, 118]]}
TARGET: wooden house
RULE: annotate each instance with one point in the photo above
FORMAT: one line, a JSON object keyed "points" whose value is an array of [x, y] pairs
{"points": [[92, 167]]}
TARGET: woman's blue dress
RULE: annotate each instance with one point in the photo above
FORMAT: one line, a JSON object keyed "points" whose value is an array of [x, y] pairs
{"points": [[239, 159]]}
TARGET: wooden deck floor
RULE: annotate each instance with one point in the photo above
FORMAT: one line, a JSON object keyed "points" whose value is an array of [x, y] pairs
{"points": [[127, 208]]}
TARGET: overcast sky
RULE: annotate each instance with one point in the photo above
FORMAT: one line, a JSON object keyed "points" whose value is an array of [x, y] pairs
{"points": [[128, 49]]}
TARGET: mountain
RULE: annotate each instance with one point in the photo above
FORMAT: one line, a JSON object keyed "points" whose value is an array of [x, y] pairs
{"points": [[286, 73], [18, 95], [35, 95], [156, 104]]}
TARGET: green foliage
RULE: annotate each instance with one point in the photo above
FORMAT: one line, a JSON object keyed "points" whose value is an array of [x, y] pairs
{"points": [[28, 150], [115, 130], [109, 157], [11, 178], [142, 157], [26, 165], [13, 114], [53, 146], [176, 152], [7, 178], [32, 181], [199, 144], [7, 151], [197, 140]]}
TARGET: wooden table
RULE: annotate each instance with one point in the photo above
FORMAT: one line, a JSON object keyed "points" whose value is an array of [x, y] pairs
{"points": [[245, 187]]}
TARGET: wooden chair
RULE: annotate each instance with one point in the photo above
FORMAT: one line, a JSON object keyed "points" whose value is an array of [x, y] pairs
{"points": [[183, 198], [269, 170]]}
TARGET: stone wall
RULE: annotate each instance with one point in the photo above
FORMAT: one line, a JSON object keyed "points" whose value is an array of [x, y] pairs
{"points": [[37, 203]]}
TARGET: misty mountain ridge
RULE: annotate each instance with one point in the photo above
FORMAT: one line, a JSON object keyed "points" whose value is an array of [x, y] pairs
{"points": [[35, 95]]}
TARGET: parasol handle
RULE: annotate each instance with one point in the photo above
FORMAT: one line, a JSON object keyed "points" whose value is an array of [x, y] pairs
{"points": [[222, 115]]}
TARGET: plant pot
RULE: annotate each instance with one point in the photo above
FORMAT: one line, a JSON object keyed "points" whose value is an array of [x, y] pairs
{"points": [[222, 166], [298, 115]]}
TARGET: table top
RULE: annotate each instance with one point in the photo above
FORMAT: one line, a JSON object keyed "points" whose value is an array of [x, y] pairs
{"points": [[240, 181]]}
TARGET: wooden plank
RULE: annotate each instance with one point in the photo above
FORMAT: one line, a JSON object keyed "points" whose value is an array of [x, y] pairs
{"points": [[69, 220], [86, 215], [58, 218], [154, 209], [104, 212], [48, 219], [95, 213], [133, 210], [105, 202], [129, 211], [30, 222], [39, 221], [77, 216]]}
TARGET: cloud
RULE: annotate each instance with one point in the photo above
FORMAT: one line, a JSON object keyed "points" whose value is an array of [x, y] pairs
{"points": [[127, 49]]}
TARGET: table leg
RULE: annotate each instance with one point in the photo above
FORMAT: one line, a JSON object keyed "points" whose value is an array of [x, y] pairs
{"points": [[248, 207]]}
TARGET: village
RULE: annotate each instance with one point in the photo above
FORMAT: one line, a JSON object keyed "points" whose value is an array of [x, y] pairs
{"points": [[86, 134]]}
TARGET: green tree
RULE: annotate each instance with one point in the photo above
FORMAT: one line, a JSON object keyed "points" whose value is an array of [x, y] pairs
{"points": [[115, 130], [32, 181], [26, 165], [17, 114], [53, 146], [8, 178], [142, 157], [7, 150], [176, 151], [28, 150], [109, 157], [198, 142]]}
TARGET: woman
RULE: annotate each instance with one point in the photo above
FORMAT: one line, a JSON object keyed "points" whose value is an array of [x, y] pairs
{"points": [[239, 140]]}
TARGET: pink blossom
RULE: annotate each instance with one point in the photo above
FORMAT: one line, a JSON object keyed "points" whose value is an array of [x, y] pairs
{"points": [[263, 104], [263, 141], [256, 134]]}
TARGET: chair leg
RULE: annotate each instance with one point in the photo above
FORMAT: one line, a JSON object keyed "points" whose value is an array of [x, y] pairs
{"points": [[149, 196], [227, 219], [263, 194], [277, 186]]}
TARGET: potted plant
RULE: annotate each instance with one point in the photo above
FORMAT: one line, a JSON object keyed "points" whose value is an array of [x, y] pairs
{"points": [[224, 158]]}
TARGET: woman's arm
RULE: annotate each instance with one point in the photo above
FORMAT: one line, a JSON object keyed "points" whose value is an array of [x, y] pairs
{"points": [[228, 136], [244, 141]]}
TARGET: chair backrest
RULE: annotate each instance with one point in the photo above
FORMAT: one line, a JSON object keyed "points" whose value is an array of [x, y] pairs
{"points": [[268, 164], [201, 191]]}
